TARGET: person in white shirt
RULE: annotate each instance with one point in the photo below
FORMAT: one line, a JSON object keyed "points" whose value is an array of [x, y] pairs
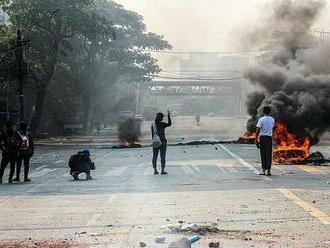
{"points": [[264, 141]]}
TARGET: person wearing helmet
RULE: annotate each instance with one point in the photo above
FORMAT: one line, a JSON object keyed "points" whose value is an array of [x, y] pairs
{"points": [[81, 163], [25, 151]]}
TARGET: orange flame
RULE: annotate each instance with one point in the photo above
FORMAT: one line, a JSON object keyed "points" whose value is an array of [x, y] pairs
{"points": [[289, 148], [249, 136], [129, 143]]}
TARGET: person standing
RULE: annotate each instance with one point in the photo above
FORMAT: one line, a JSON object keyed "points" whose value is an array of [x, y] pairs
{"points": [[264, 141], [9, 146], [159, 128], [197, 119], [25, 151]]}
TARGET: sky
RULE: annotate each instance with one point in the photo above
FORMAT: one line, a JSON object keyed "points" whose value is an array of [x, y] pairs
{"points": [[203, 25]]}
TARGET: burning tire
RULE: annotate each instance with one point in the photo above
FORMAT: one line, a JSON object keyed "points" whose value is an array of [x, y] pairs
{"points": [[290, 156]]}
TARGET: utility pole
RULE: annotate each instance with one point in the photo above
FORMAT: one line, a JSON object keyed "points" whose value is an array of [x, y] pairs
{"points": [[21, 71], [21, 64]]}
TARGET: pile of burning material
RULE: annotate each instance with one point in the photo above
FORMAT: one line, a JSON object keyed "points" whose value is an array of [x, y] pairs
{"points": [[248, 138], [289, 149], [129, 132]]}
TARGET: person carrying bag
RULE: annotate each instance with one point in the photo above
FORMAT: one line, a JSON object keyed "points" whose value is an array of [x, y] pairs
{"points": [[156, 142], [159, 142]]}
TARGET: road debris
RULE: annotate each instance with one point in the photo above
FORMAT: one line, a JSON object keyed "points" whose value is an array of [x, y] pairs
{"points": [[214, 244], [142, 244], [39, 244], [184, 242], [160, 239], [192, 228]]}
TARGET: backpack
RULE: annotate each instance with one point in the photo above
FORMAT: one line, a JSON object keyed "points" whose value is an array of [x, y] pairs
{"points": [[24, 148], [25, 142], [11, 144], [156, 142]]}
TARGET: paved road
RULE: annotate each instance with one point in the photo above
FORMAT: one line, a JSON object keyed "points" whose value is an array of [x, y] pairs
{"points": [[126, 204]]}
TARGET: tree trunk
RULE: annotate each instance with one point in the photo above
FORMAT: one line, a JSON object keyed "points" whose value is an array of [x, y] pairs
{"points": [[87, 110], [39, 104]]}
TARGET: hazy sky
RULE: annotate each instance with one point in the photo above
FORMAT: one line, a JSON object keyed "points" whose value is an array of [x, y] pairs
{"points": [[202, 25]]}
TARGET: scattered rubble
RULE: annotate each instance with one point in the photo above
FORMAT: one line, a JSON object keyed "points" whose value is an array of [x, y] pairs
{"points": [[160, 239], [142, 244], [184, 242], [214, 245], [192, 228], [181, 243], [37, 244]]}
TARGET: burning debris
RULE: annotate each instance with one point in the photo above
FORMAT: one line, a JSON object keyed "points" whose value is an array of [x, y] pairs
{"points": [[129, 133], [294, 80], [289, 148], [248, 138]]}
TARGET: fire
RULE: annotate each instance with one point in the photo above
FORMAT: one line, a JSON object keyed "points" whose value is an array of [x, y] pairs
{"points": [[130, 143], [289, 148], [249, 136]]}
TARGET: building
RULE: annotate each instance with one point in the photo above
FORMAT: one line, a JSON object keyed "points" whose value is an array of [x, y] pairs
{"points": [[4, 19], [208, 84]]}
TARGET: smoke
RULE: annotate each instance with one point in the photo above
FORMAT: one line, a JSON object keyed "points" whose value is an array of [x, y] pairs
{"points": [[294, 79], [129, 130]]}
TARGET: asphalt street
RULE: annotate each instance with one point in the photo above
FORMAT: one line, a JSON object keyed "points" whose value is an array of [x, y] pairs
{"points": [[126, 204]]}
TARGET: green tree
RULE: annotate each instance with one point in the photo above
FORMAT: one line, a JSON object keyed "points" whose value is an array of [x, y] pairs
{"points": [[86, 47]]}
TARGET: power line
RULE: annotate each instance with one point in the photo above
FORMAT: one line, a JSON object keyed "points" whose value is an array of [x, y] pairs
{"points": [[198, 53], [202, 71], [192, 78]]}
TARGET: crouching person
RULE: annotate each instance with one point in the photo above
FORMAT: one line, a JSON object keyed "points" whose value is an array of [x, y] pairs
{"points": [[81, 163]]}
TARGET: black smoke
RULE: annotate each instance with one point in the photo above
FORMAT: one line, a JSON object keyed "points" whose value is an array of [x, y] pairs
{"points": [[129, 130], [295, 78]]}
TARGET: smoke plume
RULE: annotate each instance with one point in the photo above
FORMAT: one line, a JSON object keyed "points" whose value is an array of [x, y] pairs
{"points": [[129, 130], [294, 77]]}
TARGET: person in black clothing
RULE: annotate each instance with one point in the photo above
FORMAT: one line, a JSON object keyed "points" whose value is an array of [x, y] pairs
{"points": [[81, 163], [9, 146], [25, 152], [159, 128]]}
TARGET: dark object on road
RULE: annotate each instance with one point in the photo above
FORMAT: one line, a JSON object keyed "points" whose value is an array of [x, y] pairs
{"points": [[316, 158], [290, 156], [142, 244], [129, 131], [193, 228], [214, 245], [124, 146], [81, 163], [160, 239], [247, 138]]}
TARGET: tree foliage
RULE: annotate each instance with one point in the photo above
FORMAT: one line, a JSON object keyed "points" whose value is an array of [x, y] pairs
{"points": [[78, 55]]}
